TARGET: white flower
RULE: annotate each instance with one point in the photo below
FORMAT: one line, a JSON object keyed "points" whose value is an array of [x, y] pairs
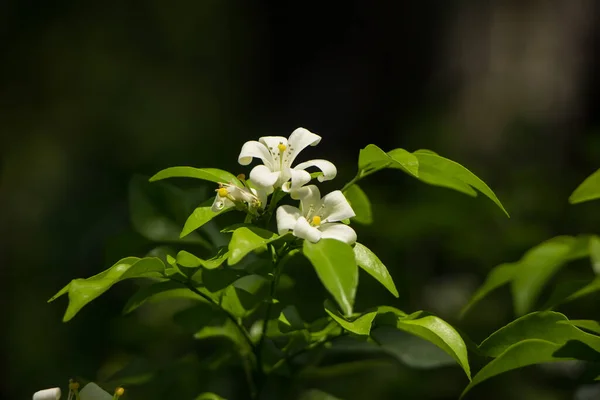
{"points": [[277, 154], [228, 195], [317, 217], [91, 391]]}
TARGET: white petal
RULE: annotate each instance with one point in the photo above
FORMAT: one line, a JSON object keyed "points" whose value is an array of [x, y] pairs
{"points": [[263, 177], [221, 203], [299, 178], [262, 196], [284, 177], [338, 231], [287, 216], [299, 140], [303, 230], [271, 143], [336, 207], [91, 391], [309, 196], [329, 170], [47, 394], [254, 149]]}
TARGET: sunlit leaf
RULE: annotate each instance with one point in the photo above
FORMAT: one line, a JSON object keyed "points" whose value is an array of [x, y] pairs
{"points": [[565, 292], [360, 325], [199, 217], [595, 253], [588, 325], [360, 204], [245, 240], [244, 295], [83, 291], [207, 174], [336, 267], [209, 396], [159, 291], [439, 171], [404, 160], [588, 190], [289, 320], [189, 260], [372, 159], [369, 262]]}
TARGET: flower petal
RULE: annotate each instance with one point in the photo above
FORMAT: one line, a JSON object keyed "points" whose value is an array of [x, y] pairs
{"points": [[329, 170], [287, 216], [336, 207], [262, 196], [299, 140], [221, 203], [271, 143], [309, 196], [91, 391], [254, 149], [299, 178], [263, 177], [47, 394], [303, 230], [338, 231]]}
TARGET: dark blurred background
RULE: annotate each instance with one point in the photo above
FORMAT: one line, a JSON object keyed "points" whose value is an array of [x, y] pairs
{"points": [[93, 93]]}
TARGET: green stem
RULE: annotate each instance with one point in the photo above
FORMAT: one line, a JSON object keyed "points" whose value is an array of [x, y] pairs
{"points": [[308, 348], [360, 175]]}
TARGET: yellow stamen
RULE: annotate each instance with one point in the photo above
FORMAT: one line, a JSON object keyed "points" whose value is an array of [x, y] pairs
{"points": [[119, 391], [316, 220], [222, 192], [281, 147]]}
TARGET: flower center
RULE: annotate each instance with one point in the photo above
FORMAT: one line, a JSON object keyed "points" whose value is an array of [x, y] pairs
{"points": [[316, 220], [281, 147], [222, 192]]}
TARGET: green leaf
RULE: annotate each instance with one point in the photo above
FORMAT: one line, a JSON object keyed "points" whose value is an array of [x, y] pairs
{"points": [[189, 260], [83, 291], [244, 295], [438, 332], [360, 204], [539, 264], [209, 396], [157, 211], [199, 217], [335, 265], [440, 171], [498, 276], [521, 354], [289, 320], [372, 158], [369, 262], [207, 174], [588, 190], [159, 290], [595, 253], [360, 325], [224, 328], [588, 325], [245, 240], [544, 325]]}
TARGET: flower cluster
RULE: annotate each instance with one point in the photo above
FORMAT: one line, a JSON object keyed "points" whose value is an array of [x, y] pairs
{"points": [[316, 217]]}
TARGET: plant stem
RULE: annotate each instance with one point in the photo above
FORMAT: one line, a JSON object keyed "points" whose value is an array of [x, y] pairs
{"points": [[308, 348], [361, 174]]}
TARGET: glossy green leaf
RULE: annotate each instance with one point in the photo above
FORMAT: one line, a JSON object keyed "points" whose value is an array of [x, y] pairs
{"points": [[207, 174], [243, 296], [245, 240], [289, 320], [588, 325], [595, 253], [209, 396], [157, 211], [224, 328], [539, 264], [83, 291], [336, 267], [439, 171], [498, 276], [545, 325], [199, 217], [438, 332], [369, 262], [157, 291], [372, 159], [189, 260], [588, 190], [360, 325], [521, 354], [360, 204]]}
